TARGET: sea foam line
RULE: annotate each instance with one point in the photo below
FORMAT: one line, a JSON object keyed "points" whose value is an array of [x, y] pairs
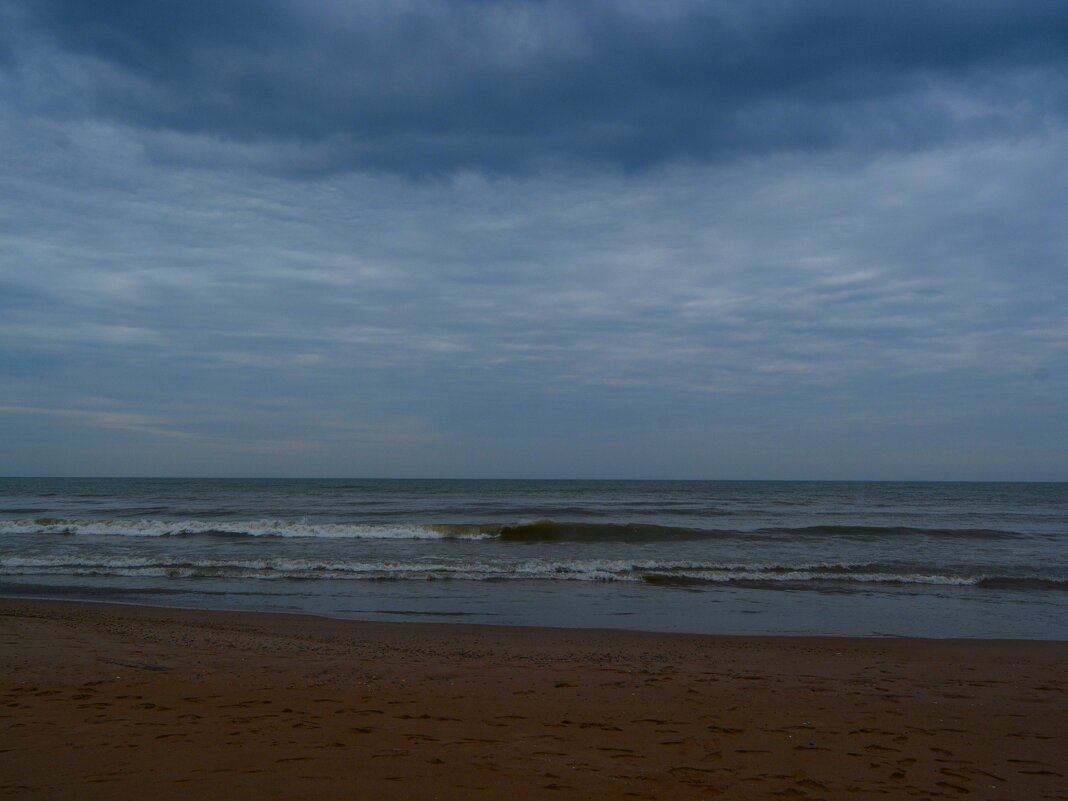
{"points": [[653, 572]]}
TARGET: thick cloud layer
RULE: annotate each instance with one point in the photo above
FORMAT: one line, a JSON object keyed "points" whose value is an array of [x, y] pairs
{"points": [[760, 239], [425, 87]]}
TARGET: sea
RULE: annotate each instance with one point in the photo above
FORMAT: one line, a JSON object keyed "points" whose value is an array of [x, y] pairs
{"points": [[871, 559]]}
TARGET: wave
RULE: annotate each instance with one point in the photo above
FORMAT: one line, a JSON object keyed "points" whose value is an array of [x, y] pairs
{"points": [[552, 531], [540, 531], [242, 528], [895, 531], [653, 572]]}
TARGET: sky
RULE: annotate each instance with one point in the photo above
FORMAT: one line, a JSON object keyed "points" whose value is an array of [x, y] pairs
{"points": [[727, 240]]}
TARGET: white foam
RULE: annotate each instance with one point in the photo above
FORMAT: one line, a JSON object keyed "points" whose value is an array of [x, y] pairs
{"points": [[477, 570], [247, 528]]}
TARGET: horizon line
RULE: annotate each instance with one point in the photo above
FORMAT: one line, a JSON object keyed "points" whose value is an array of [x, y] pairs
{"points": [[537, 478]]}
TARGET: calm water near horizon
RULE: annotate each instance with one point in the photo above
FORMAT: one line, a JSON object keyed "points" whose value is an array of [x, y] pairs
{"points": [[746, 557]]}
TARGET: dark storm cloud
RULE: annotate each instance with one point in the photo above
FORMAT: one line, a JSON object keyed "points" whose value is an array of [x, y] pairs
{"points": [[422, 87]]}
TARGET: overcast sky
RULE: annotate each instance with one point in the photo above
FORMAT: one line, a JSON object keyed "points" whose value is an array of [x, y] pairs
{"points": [[749, 239]]}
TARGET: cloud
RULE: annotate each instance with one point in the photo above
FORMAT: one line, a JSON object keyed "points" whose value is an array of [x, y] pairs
{"points": [[426, 88], [729, 276], [706, 239], [121, 421]]}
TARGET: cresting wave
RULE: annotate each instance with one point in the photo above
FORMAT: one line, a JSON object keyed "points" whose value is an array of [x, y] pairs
{"points": [[652, 572], [240, 528], [541, 531]]}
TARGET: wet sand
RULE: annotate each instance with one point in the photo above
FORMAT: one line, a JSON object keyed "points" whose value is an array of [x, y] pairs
{"points": [[120, 702]]}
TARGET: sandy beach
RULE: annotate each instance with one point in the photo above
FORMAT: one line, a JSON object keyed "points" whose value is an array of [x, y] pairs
{"points": [[115, 702]]}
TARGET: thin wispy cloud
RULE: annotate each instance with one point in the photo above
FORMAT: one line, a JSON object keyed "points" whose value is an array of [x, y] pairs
{"points": [[122, 421]]}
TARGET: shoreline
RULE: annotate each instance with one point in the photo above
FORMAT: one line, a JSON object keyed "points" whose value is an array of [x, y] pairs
{"points": [[106, 700], [728, 612], [448, 620]]}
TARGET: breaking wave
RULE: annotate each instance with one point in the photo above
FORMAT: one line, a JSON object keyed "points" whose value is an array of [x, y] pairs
{"points": [[541, 531], [241, 528], [652, 572]]}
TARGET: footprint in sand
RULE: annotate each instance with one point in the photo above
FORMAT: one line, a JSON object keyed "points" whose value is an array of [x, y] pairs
{"points": [[955, 787]]}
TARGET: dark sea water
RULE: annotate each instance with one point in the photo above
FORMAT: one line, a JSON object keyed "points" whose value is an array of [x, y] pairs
{"points": [[869, 559]]}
